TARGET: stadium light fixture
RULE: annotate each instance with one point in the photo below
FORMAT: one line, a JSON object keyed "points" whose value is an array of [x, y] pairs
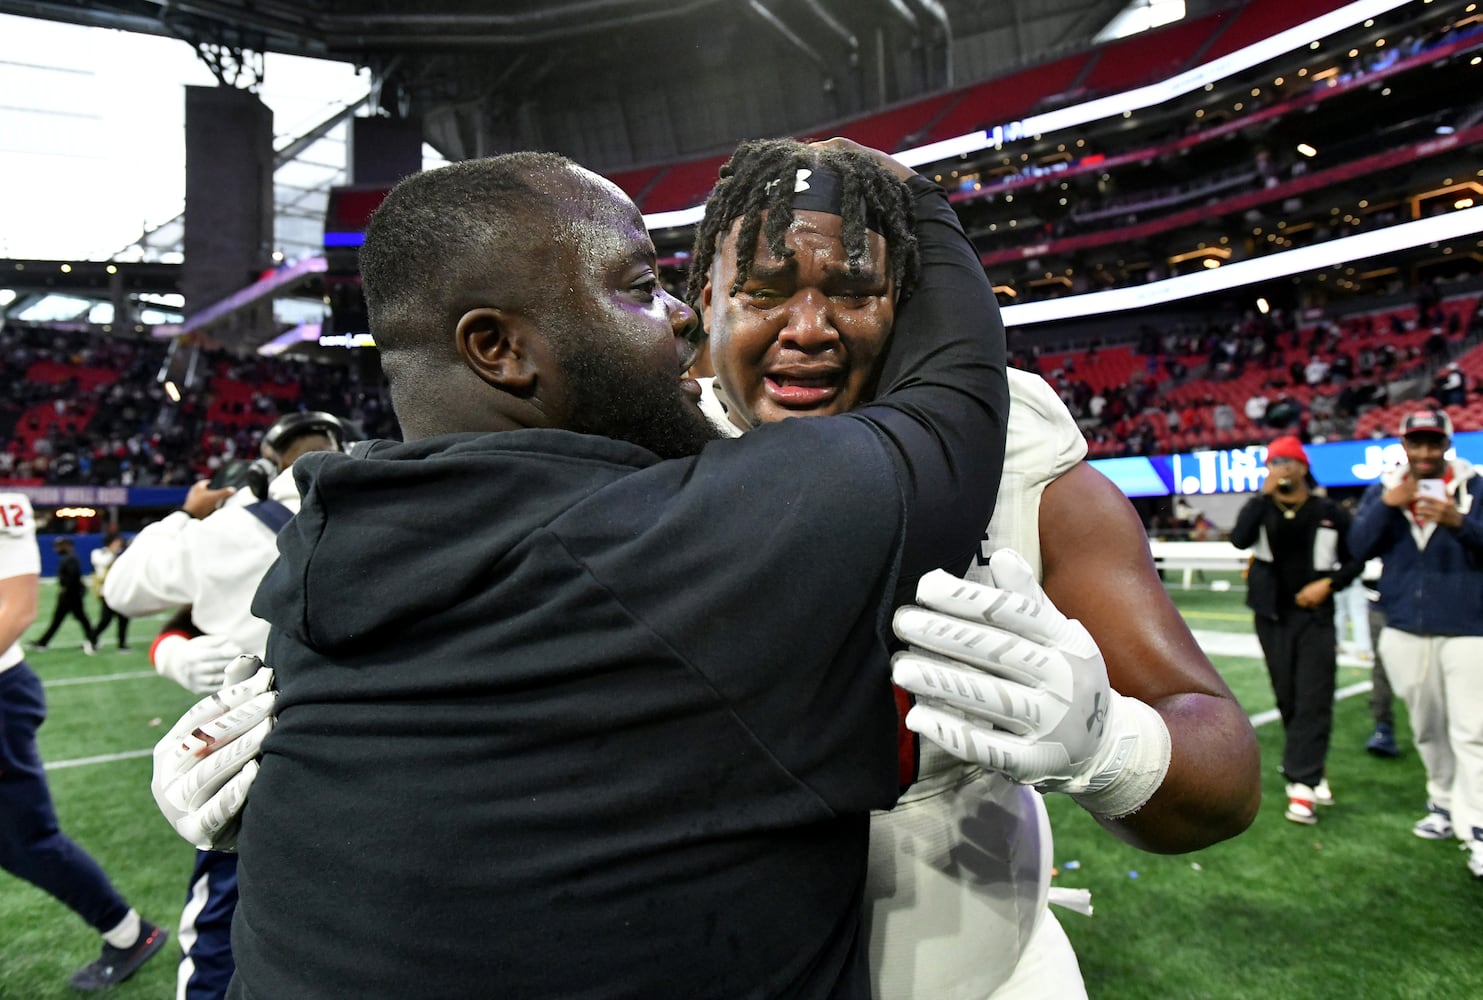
{"points": [[1263, 307], [1306, 149]]}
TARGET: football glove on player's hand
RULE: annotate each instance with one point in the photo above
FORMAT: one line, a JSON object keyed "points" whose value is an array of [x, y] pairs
{"points": [[197, 664], [206, 763], [1003, 679]]}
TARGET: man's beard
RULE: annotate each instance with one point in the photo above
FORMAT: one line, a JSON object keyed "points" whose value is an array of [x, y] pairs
{"points": [[617, 396]]}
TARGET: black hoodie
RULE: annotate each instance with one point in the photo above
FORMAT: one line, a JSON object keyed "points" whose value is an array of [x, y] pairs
{"points": [[560, 719]]}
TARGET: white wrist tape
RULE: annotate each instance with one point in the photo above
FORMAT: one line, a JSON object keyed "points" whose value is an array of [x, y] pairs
{"points": [[1129, 767]]}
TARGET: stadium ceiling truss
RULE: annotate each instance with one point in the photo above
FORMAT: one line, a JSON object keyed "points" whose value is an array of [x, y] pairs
{"points": [[488, 75]]}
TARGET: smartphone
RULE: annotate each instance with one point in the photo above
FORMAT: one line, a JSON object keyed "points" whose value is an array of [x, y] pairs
{"points": [[1434, 488], [232, 473]]}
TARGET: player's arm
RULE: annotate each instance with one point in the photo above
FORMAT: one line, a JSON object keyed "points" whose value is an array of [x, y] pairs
{"points": [[1097, 569], [159, 571], [18, 595], [152, 574]]}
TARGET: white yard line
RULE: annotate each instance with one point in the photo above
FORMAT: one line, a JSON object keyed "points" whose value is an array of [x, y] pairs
{"points": [[1270, 715], [98, 679], [107, 758], [1218, 643]]}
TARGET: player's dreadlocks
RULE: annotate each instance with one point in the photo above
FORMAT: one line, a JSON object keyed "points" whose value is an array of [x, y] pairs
{"points": [[759, 178]]}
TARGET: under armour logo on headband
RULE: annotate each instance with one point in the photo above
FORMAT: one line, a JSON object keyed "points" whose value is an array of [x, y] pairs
{"points": [[800, 181]]}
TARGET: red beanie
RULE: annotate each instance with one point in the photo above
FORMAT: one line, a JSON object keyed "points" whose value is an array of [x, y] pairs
{"points": [[1287, 447]]}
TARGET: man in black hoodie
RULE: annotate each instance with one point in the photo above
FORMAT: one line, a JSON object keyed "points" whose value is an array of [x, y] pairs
{"points": [[69, 597], [532, 739]]}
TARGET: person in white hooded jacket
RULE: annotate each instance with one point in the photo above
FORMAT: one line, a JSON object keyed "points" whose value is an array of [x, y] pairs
{"points": [[205, 562]]}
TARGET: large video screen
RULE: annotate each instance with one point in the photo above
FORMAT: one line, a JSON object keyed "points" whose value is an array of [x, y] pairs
{"points": [[1241, 470]]}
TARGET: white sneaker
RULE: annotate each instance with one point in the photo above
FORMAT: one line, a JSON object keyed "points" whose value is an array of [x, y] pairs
{"points": [[1301, 801], [87, 647], [1475, 857], [1435, 825], [1322, 794]]}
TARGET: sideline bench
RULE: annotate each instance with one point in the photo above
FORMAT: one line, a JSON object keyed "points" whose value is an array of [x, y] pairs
{"points": [[1191, 556]]}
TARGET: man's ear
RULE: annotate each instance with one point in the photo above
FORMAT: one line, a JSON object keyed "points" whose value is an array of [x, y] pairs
{"points": [[494, 345]]}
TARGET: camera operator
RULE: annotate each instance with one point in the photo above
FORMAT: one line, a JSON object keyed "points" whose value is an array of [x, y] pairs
{"points": [[204, 562], [1300, 559]]}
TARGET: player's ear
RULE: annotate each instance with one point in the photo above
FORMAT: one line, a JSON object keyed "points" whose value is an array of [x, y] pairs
{"points": [[496, 346]]}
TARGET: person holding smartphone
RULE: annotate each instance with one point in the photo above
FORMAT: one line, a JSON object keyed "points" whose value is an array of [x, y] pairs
{"points": [[1425, 521]]}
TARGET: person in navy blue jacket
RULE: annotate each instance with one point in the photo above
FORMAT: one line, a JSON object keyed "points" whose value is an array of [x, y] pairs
{"points": [[1425, 521]]}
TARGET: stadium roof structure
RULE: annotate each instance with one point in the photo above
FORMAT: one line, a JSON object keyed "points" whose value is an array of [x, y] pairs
{"points": [[615, 83], [612, 83]]}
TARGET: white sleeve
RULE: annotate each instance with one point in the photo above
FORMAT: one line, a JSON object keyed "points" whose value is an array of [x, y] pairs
{"points": [[19, 555], [155, 572], [214, 565], [1044, 442], [1047, 427]]}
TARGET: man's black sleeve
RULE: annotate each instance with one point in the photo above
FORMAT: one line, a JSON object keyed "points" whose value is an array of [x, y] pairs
{"points": [[1248, 521], [943, 404]]}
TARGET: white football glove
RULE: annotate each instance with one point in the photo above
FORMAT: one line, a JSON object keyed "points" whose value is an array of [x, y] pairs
{"points": [[1003, 679], [206, 763], [197, 664]]}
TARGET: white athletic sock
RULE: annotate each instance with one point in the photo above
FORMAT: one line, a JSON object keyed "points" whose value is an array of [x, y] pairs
{"points": [[126, 933]]}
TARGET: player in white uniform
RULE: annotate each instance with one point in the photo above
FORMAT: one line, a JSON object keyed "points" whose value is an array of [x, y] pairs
{"points": [[960, 870], [32, 846], [210, 557]]}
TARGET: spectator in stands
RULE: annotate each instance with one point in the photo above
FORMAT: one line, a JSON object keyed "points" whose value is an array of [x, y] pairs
{"points": [[1284, 412], [1256, 407], [1300, 559], [32, 844], [1435, 348], [1425, 521], [1096, 405], [1224, 416], [70, 592], [1342, 368], [1451, 385], [1315, 371]]}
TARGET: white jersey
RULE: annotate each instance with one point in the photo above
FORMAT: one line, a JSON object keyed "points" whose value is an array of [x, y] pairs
{"points": [[19, 555], [214, 565], [960, 869]]}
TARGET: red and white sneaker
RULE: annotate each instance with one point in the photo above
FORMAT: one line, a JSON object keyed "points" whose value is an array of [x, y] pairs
{"points": [[1302, 803]]}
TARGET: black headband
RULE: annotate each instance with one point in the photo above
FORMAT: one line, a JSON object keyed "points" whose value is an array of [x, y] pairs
{"points": [[820, 190]]}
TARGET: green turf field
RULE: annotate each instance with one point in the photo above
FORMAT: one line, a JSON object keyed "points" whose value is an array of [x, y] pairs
{"points": [[1353, 909]]}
